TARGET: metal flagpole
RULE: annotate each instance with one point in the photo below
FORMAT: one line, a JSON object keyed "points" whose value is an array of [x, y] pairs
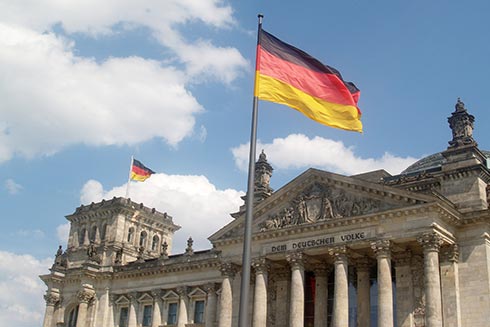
{"points": [[129, 177], [243, 316]]}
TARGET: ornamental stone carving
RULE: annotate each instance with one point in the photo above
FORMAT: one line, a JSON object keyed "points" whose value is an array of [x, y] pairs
{"points": [[317, 203], [260, 265], [431, 242], [228, 269], [450, 253], [461, 124], [85, 295], [381, 248], [296, 260], [52, 298]]}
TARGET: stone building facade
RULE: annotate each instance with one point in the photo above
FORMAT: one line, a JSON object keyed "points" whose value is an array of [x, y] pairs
{"points": [[368, 250]]}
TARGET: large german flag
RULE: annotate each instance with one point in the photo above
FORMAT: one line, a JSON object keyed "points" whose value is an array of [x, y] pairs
{"points": [[140, 172], [290, 76]]}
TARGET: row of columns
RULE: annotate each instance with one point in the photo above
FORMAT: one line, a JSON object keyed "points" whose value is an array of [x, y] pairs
{"points": [[382, 249]]}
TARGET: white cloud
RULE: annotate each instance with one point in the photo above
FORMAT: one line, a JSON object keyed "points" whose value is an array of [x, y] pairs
{"points": [[193, 202], [21, 290], [52, 99], [163, 18], [299, 151], [11, 186]]}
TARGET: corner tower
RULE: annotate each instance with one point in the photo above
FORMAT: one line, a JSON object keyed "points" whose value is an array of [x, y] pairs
{"points": [[115, 232]]}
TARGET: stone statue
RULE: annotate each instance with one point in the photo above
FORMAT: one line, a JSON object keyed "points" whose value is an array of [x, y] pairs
{"points": [[118, 259]]}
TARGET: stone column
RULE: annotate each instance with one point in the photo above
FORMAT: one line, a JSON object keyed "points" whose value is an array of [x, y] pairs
{"points": [[297, 300], [404, 289], [132, 318], [210, 305], [84, 296], [363, 267], [261, 267], [385, 285], [226, 300], [450, 286], [182, 318], [321, 294], [156, 318], [433, 305], [110, 318], [52, 297], [341, 287]]}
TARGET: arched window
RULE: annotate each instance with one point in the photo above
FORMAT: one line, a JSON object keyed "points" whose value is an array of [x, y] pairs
{"points": [[93, 233], [81, 236], [143, 236], [130, 235], [72, 317], [154, 243], [103, 232]]}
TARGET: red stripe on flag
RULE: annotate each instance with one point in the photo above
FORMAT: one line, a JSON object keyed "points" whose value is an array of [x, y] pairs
{"points": [[321, 85], [139, 171]]}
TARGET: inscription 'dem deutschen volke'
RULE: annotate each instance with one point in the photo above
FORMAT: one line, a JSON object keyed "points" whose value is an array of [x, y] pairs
{"points": [[314, 242]]}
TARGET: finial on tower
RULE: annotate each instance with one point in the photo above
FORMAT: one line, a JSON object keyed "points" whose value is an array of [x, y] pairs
{"points": [[461, 124]]}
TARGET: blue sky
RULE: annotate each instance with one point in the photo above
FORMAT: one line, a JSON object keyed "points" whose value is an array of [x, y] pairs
{"points": [[87, 84]]}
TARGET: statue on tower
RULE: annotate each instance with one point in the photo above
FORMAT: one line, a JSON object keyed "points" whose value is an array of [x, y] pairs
{"points": [[263, 173], [461, 124]]}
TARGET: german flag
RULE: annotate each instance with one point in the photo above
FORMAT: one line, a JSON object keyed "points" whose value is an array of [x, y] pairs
{"points": [[140, 172], [290, 76]]}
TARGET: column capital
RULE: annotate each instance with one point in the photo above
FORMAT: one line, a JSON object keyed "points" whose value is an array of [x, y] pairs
{"points": [[228, 269], [296, 260], [156, 294], [182, 291], [382, 248], [339, 253], [52, 298], [113, 298], [210, 288], [132, 296], [261, 265], [450, 253], [431, 242], [85, 295]]}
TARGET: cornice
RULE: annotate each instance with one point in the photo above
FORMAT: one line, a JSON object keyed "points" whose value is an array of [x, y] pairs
{"points": [[444, 212]]}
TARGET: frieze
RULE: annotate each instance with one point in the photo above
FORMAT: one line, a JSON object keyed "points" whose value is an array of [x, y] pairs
{"points": [[319, 241], [317, 203]]}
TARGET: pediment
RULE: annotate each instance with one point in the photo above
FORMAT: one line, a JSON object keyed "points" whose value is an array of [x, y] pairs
{"points": [[122, 300], [317, 196], [145, 298], [170, 295], [197, 292]]}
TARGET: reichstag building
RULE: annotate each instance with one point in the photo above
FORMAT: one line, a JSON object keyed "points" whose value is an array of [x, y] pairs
{"points": [[328, 250]]}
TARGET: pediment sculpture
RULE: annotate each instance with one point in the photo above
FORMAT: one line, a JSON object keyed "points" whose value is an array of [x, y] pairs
{"points": [[319, 203]]}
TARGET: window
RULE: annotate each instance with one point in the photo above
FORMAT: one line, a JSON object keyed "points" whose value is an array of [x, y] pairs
{"points": [[81, 236], [93, 233], [172, 314], [103, 232], [123, 317], [147, 311], [143, 238], [154, 243], [130, 235], [199, 312], [72, 317]]}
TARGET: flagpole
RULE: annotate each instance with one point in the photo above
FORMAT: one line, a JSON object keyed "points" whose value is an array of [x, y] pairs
{"points": [[129, 177], [243, 316]]}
